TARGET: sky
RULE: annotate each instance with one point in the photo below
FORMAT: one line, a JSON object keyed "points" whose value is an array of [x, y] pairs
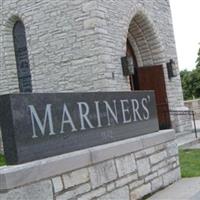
{"points": [[186, 20]]}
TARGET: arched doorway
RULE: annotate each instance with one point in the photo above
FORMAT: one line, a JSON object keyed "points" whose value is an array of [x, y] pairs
{"points": [[145, 49]]}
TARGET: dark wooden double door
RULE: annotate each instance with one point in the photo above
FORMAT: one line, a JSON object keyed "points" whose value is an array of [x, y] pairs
{"points": [[152, 78]]}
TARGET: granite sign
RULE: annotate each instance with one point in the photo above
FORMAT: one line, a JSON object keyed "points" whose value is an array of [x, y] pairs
{"points": [[35, 126]]}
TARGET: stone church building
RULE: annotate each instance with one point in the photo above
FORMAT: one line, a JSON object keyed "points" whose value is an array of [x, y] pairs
{"points": [[79, 46]]}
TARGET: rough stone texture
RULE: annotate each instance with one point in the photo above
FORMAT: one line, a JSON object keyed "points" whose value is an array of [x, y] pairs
{"points": [[112, 178], [95, 193], [143, 167], [145, 152], [151, 176], [182, 123], [159, 166], [77, 45], [195, 106], [128, 179], [125, 165], [122, 193], [156, 158], [72, 180], [102, 173], [171, 176], [136, 184], [57, 184], [74, 192], [157, 184], [66, 163], [39, 191], [164, 170], [185, 189], [110, 187], [141, 191], [172, 149]]}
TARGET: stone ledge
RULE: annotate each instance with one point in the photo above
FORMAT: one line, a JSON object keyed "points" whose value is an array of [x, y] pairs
{"points": [[19, 175]]}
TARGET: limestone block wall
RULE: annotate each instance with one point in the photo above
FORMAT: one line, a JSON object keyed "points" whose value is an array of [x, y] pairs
{"points": [[128, 170], [77, 45], [195, 106], [182, 123]]}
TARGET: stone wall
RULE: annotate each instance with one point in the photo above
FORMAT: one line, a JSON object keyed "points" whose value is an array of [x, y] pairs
{"points": [[77, 45], [182, 123], [128, 170], [195, 106]]}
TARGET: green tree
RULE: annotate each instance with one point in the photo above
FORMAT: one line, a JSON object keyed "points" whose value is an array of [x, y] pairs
{"points": [[198, 59], [186, 79], [191, 83], [195, 82]]}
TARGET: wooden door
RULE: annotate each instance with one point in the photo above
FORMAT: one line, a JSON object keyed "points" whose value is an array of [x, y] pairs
{"points": [[152, 78]]}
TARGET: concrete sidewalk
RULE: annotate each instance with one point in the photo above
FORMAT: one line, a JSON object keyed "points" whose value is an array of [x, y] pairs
{"points": [[185, 189], [189, 139]]}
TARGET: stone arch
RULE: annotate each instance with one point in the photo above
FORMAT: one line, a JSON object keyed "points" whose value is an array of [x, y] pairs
{"points": [[9, 59], [145, 40], [149, 53]]}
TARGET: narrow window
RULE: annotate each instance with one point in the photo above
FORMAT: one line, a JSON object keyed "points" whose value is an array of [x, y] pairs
{"points": [[133, 78], [21, 54]]}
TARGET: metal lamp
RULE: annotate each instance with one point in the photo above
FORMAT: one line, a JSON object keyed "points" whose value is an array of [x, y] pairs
{"points": [[127, 65], [171, 69]]}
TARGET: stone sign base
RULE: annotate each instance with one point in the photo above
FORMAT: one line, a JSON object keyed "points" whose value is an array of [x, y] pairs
{"points": [[128, 170]]}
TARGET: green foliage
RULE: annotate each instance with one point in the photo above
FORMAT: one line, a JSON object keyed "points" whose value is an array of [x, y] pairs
{"points": [[198, 60], [190, 162], [191, 83], [2, 160], [185, 79]]}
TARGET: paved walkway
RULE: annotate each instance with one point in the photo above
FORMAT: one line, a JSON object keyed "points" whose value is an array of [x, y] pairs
{"points": [[189, 138], [195, 146], [185, 189]]}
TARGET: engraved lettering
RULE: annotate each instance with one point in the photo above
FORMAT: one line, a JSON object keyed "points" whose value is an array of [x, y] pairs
{"points": [[42, 127]]}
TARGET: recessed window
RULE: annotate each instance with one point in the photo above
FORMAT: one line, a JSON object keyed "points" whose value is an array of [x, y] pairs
{"points": [[21, 54]]}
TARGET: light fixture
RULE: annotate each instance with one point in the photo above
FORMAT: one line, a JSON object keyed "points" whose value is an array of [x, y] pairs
{"points": [[171, 69], [127, 65]]}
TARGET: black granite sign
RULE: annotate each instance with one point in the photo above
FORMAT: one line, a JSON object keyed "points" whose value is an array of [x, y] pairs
{"points": [[35, 126]]}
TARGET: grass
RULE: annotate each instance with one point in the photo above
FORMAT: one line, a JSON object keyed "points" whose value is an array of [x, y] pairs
{"points": [[190, 162], [2, 160]]}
